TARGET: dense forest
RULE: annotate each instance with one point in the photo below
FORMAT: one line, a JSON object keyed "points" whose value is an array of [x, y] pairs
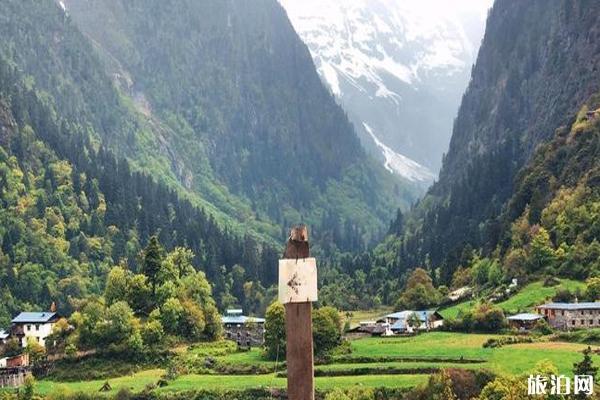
{"points": [[71, 211], [103, 147], [241, 107], [537, 66]]}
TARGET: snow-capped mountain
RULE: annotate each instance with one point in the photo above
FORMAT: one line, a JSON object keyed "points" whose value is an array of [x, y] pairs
{"points": [[399, 68]]}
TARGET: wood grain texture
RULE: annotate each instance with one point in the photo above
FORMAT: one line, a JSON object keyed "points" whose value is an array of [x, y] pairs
{"points": [[298, 329]]}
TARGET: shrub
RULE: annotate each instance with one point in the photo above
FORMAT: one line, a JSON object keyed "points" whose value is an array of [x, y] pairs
{"points": [[507, 340], [355, 393], [327, 328], [542, 327], [275, 331]]}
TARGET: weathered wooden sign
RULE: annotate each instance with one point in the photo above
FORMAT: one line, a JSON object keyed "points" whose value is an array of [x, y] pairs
{"points": [[298, 316], [297, 280]]}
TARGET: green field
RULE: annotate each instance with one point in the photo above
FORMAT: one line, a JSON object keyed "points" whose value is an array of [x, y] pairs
{"points": [[428, 350], [138, 382], [524, 300]]}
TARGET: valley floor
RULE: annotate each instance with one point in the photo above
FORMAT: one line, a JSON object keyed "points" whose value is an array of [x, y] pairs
{"points": [[375, 362]]}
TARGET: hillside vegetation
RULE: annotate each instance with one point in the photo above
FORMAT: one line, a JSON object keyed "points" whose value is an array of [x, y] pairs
{"points": [[214, 135], [536, 68], [244, 112]]}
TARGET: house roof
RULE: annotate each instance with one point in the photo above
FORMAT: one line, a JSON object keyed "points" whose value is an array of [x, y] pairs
{"points": [[34, 317], [423, 315], [234, 311], [398, 315], [525, 317], [3, 335], [571, 306], [240, 319], [399, 325]]}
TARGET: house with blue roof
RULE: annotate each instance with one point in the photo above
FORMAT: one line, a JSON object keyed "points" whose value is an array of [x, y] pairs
{"points": [[35, 325], [524, 321], [244, 330], [568, 316], [400, 322]]}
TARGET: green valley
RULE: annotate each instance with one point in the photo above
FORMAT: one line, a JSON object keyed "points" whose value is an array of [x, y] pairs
{"points": [[154, 155]]}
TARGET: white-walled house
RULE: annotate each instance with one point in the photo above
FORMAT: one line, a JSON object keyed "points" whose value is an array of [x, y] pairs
{"points": [[399, 320], [37, 325], [3, 336]]}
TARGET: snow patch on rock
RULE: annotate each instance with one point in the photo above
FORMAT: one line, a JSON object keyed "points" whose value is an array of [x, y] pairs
{"points": [[399, 164]]}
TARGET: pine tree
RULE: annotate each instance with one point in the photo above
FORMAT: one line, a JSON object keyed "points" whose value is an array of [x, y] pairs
{"points": [[585, 367], [153, 256]]}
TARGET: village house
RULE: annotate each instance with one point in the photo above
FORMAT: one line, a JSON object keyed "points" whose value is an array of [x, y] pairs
{"points": [[36, 325], [524, 321], [3, 337], [245, 331], [399, 321], [369, 328], [571, 315]]}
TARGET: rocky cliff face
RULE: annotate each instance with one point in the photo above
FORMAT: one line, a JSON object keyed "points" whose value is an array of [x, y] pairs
{"points": [[538, 63], [398, 68]]}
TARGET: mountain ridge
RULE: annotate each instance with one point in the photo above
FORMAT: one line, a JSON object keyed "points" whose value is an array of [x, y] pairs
{"points": [[244, 113], [529, 80], [400, 68]]}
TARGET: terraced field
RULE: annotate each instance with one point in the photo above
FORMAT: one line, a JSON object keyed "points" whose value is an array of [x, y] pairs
{"points": [[374, 362]]}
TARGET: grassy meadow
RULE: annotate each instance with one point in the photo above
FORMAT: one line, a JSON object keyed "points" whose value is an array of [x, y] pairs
{"points": [[524, 300], [374, 362]]}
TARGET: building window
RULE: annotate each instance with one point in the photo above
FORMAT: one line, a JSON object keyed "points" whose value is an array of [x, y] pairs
{"points": [[553, 312], [562, 312], [573, 322], [591, 322], [37, 327], [28, 327], [582, 322]]}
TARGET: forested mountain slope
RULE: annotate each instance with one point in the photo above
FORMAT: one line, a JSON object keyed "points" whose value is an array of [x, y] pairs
{"points": [[70, 210], [239, 96], [538, 64], [205, 124]]}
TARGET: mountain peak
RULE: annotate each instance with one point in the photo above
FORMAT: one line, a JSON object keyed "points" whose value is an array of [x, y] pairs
{"points": [[389, 62]]}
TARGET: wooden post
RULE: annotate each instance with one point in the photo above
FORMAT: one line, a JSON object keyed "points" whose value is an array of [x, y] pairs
{"points": [[298, 329]]}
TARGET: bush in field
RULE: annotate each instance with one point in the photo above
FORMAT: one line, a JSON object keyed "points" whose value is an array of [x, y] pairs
{"points": [[542, 327], [502, 341], [355, 393], [489, 319], [453, 384], [275, 331], [592, 292], [505, 387], [327, 329], [486, 318]]}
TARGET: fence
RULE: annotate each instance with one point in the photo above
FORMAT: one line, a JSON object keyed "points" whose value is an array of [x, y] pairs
{"points": [[13, 377]]}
